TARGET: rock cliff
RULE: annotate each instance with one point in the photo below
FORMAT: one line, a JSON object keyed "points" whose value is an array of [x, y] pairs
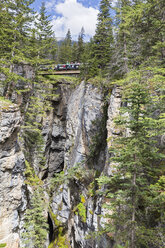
{"points": [[75, 134], [12, 188], [77, 137]]}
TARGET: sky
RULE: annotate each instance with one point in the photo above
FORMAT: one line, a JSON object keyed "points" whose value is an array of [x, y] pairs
{"points": [[71, 14]]}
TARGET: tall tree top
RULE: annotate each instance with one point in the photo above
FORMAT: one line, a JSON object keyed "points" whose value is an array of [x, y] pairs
{"points": [[44, 26], [68, 37], [103, 39]]}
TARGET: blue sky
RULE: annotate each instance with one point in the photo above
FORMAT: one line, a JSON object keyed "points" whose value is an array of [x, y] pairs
{"points": [[71, 14]]}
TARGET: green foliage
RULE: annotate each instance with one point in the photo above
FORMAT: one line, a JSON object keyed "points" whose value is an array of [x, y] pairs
{"points": [[77, 173], [134, 58], [64, 79], [158, 201], [36, 227], [103, 38], [135, 163], [47, 46], [65, 53], [15, 19], [31, 177], [24, 47], [81, 209], [5, 103], [97, 54], [70, 51], [61, 238], [35, 219], [3, 245], [89, 66], [80, 45]]}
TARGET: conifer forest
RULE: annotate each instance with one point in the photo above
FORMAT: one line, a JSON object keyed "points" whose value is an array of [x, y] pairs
{"points": [[82, 153]]}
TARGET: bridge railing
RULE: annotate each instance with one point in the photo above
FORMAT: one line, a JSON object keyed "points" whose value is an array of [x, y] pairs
{"points": [[60, 67]]}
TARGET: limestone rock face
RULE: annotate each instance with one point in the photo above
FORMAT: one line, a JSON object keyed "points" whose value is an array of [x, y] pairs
{"points": [[12, 199], [75, 132], [75, 122], [85, 106], [114, 105], [113, 111]]}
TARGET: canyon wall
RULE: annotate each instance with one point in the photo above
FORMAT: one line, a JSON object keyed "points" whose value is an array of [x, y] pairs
{"points": [[75, 134], [12, 187], [81, 124]]}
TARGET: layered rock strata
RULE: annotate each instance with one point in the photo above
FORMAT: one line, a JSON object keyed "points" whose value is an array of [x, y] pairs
{"points": [[80, 122], [12, 199], [75, 131]]}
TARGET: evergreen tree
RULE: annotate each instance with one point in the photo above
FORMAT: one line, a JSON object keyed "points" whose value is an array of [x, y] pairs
{"points": [[36, 227], [80, 44], [103, 38], [17, 36], [65, 51], [120, 63], [136, 164], [89, 67], [15, 30], [136, 159], [74, 52], [135, 42], [46, 42]]}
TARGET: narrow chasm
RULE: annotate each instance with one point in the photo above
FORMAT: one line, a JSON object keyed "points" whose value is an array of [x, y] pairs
{"points": [[45, 175], [51, 232], [98, 145]]}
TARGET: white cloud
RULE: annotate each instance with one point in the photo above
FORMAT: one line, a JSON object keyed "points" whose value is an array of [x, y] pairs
{"points": [[73, 15], [50, 5]]}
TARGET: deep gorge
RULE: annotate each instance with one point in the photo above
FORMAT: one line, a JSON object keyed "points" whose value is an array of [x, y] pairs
{"points": [[69, 132]]}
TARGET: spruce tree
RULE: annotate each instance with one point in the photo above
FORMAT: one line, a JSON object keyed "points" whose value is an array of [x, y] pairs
{"points": [[41, 44], [65, 50], [103, 38], [80, 44], [15, 30], [136, 163], [89, 67], [74, 52], [36, 227], [46, 41], [120, 63]]}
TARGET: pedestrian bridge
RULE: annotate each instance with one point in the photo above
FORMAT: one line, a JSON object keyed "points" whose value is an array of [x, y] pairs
{"points": [[62, 72]]}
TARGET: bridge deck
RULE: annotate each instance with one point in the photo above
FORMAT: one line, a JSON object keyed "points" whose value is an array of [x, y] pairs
{"points": [[67, 72]]}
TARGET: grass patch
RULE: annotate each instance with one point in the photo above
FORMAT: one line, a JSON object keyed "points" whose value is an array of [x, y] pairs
{"points": [[3, 245], [64, 79]]}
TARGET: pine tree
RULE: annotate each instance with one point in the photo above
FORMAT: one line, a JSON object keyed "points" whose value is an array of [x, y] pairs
{"points": [[136, 44], [103, 38], [15, 30], [15, 20], [89, 67], [135, 219], [136, 164], [46, 42], [36, 227], [80, 44], [120, 63], [65, 51], [74, 52]]}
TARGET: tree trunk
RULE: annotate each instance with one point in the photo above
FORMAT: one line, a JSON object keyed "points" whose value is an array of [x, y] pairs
{"points": [[125, 54], [133, 206]]}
